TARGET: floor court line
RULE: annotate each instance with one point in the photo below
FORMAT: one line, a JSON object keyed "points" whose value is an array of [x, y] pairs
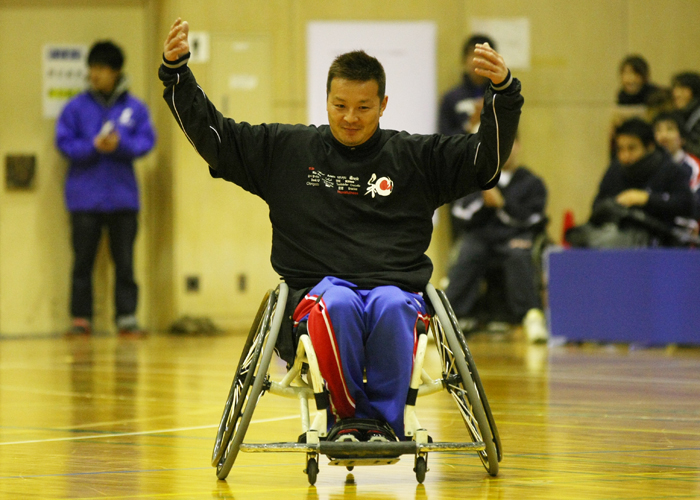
{"points": [[142, 433]]}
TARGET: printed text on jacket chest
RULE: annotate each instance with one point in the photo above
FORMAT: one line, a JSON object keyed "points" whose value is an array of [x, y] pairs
{"points": [[350, 184]]}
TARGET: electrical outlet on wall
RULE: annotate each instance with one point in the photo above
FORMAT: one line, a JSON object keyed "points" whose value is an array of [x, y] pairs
{"points": [[192, 283], [19, 172]]}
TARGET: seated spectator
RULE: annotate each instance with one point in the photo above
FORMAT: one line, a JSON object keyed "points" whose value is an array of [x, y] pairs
{"points": [[635, 87], [685, 88], [498, 228], [670, 135], [637, 96], [640, 196]]}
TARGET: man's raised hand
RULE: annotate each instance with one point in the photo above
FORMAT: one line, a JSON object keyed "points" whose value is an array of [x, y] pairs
{"points": [[490, 64], [176, 44]]}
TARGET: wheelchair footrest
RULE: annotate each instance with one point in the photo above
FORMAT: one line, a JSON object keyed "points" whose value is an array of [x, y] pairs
{"points": [[352, 462], [294, 447], [474, 446], [348, 450]]}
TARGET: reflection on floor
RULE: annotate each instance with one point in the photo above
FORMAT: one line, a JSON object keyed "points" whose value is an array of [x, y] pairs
{"points": [[106, 417]]}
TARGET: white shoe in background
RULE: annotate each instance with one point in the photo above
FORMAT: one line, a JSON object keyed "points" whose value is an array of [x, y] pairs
{"points": [[535, 326], [468, 325]]}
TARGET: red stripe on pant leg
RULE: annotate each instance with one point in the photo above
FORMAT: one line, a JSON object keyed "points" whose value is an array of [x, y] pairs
{"points": [[303, 308], [324, 342], [426, 321]]}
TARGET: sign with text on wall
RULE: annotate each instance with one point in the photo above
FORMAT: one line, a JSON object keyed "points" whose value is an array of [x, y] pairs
{"points": [[64, 75]]}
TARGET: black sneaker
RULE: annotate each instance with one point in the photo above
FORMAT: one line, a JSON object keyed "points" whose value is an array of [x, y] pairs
{"points": [[80, 327]]}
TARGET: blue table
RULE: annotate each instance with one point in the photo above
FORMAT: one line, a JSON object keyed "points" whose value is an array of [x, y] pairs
{"points": [[645, 296]]}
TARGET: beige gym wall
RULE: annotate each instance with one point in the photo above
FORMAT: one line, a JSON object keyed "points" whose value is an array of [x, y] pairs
{"points": [[35, 256], [194, 226]]}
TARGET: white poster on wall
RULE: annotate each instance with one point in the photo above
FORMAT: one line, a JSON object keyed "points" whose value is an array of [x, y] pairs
{"points": [[64, 76], [512, 38], [405, 49]]}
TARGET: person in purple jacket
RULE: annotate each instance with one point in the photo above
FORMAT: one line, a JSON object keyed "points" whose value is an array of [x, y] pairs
{"points": [[101, 131]]}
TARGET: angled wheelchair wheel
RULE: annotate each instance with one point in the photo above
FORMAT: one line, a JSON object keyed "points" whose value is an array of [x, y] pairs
{"points": [[472, 370], [248, 382], [463, 383]]}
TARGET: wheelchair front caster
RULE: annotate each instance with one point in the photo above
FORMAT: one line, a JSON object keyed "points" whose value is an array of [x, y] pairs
{"points": [[420, 469], [312, 470]]}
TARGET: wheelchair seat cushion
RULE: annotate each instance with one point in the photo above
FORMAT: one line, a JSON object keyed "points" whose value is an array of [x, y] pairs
{"points": [[286, 345]]}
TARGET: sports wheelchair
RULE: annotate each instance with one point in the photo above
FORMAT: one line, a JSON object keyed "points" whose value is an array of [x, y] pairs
{"points": [[303, 381]]}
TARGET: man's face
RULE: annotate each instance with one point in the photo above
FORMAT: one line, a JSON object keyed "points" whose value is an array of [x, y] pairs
{"points": [[681, 96], [354, 109], [103, 78], [630, 149], [668, 136], [631, 81]]}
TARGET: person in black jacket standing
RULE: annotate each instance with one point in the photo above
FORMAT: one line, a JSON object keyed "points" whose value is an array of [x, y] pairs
{"points": [[497, 228], [351, 209]]}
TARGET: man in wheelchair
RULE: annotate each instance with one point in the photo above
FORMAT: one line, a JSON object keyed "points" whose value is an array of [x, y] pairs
{"points": [[351, 208]]}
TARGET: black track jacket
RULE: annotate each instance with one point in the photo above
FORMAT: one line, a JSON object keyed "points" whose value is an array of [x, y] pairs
{"points": [[362, 214]]}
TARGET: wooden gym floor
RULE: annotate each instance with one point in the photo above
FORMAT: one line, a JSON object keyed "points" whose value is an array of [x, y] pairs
{"points": [[117, 418]]}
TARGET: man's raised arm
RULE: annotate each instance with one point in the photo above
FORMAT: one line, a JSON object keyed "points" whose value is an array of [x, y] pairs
{"points": [[197, 117], [499, 117]]}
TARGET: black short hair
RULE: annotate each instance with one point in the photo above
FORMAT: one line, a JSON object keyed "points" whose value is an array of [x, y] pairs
{"points": [[688, 79], [471, 42], [638, 64], [357, 66], [106, 53], [671, 116], [638, 128]]}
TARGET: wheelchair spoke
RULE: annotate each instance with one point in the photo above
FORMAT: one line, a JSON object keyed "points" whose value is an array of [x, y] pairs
{"points": [[239, 387], [251, 352], [464, 407], [469, 420], [467, 416]]}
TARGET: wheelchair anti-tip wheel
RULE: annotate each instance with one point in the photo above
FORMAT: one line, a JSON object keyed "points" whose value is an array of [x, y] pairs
{"points": [[420, 469], [312, 470], [247, 386], [457, 375]]}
